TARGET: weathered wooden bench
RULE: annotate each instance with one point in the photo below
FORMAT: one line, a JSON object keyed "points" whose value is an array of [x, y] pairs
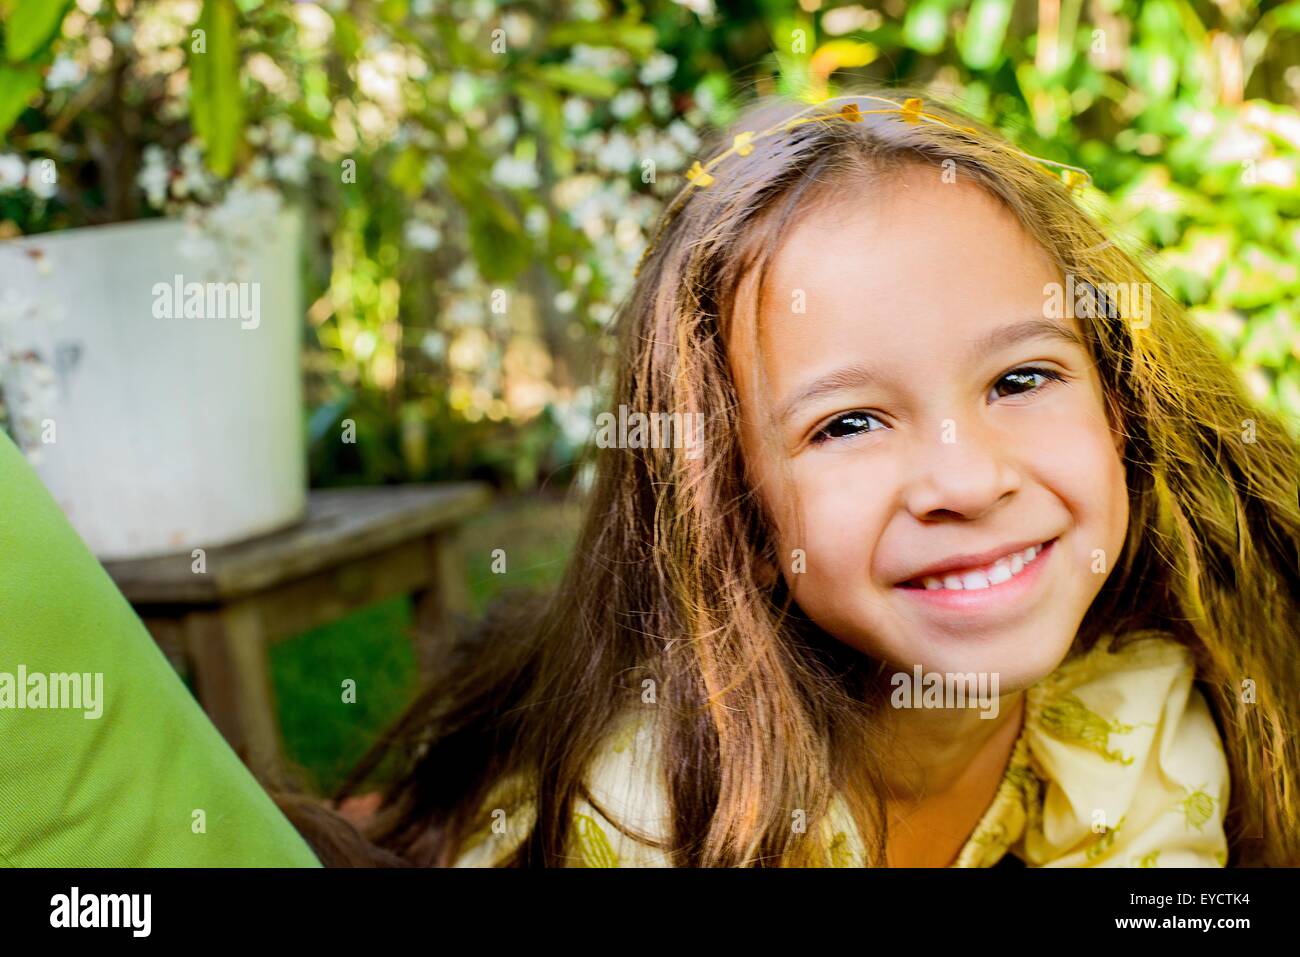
{"points": [[354, 548]]}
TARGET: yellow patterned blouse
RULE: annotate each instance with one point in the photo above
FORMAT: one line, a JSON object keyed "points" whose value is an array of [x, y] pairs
{"points": [[1118, 764]]}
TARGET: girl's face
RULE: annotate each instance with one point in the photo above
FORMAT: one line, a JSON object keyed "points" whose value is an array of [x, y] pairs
{"points": [[930, 425]]}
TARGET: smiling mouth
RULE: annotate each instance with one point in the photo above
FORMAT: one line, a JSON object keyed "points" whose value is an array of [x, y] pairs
{"points": [[996, 573]]}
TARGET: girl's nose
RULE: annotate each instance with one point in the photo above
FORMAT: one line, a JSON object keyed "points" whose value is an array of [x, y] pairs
{"points": [[964, 478]]}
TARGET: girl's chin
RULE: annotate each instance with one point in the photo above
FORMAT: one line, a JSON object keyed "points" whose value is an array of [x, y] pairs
{"points": [[1017, 661], [1021, 652]]}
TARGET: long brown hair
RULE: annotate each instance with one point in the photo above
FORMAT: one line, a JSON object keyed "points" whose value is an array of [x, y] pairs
{"points": [[761, 713]]}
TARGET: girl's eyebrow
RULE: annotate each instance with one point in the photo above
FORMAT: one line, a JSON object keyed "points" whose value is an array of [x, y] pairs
{"points": [[842, 379], [856, 374], [1015, 333]]}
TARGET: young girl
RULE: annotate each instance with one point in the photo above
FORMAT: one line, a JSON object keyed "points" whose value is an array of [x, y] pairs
{"points": [[953, 439]]}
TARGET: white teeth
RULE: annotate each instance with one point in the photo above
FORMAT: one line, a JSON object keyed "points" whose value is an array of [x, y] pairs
{"points": [[1003, 570]]}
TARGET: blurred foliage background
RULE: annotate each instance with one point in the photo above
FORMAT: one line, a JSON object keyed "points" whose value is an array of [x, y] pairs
{"points": [[481, 175], [480, 178]]}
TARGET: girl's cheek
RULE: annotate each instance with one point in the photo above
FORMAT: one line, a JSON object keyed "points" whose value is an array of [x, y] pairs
{"points": [[843, 501], [1078, 457]]}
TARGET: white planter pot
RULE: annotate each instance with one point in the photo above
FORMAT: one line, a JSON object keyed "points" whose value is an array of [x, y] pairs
{"points": [[154, 434]]}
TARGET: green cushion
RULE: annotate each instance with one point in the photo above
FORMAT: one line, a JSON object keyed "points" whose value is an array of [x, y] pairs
{"points": [[122, 789]]}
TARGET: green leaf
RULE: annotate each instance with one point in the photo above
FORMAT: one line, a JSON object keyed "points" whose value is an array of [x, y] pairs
{"points": [[17, 87], [1154, 62], [926, 26], [1268, 339], [496, 237], [1286, 16], [31, 25], [407, 171], [1256, 278], [793, 41], [986, 28], [346, 36], [550, 120], [392, 11], [324, 418], [636, 38], [578, 81], [1288, 392], [215, 93]]}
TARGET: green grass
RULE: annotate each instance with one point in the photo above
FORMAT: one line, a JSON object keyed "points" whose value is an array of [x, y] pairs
{"points": [[321, 732], [372, 647]]}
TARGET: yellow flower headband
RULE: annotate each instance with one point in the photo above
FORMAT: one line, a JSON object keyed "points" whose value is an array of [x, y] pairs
{"points": [[911, 110]]}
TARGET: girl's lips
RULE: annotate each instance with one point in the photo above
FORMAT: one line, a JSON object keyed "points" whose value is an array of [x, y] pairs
{"points": [[993, 597]]}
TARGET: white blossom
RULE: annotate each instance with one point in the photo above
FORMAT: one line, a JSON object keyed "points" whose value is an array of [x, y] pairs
{"points": [[576, 416], [603, 313], [193, 180], [422, 235], [64, 73], [121, 33], [652, 145], [435, 168], [602, 60], [506, 128], [588, 9], [577, 112], [536, 221], [465, 274], [701, 8], [434, 345], [618, 153], [684, 136], [518, 27], [661, 102], [13, 171], [627, 103], [515, 173], [466, 312], [659, 68], [289, 169], [154, 175], [280, 134], [190, 156], [245, 215], [291, 165]]}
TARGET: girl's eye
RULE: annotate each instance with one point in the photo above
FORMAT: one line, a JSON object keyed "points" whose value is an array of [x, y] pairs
{"points": [[846, 425], [1019, 381]]}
